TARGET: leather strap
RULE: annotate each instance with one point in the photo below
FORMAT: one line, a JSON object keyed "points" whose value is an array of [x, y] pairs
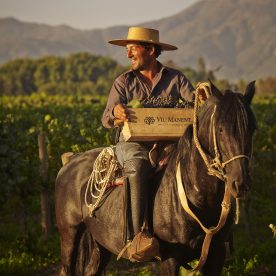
{"points": [[226, 204]]}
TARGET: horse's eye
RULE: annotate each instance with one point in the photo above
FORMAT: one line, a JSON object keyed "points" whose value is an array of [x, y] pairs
{"points": [[220, 130]]}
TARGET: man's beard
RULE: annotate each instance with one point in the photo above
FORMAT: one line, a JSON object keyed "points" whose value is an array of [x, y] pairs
{"points": [[137, 66]]}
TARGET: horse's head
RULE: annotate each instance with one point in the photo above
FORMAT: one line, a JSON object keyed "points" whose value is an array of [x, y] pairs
{"points": [[226, 128]]}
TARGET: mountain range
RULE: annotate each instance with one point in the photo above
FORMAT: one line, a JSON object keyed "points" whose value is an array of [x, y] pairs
{"points": [[238, 36]]}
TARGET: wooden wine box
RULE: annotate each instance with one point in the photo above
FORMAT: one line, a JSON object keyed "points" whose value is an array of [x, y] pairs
{"points": [[156, 124]]}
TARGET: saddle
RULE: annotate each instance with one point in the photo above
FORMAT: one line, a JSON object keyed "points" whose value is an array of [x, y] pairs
{"points": [[144, 247], [158, 156]]}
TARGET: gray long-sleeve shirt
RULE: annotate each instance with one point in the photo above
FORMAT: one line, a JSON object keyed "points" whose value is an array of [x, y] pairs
{"points": [[131, 86]]}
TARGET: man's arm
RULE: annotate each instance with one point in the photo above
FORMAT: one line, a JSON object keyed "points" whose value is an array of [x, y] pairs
{"points": [[186, 89], [117, 98]]}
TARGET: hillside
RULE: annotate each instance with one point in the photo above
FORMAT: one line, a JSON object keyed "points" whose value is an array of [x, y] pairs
{"points": [[239, 35]]}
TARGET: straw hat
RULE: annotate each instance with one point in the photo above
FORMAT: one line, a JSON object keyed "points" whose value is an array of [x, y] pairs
{"points": [[146, 35]]}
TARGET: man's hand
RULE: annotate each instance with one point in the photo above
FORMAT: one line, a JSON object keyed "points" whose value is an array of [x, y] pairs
{"points": [[203, 92], [202, 95], [120, 113]]}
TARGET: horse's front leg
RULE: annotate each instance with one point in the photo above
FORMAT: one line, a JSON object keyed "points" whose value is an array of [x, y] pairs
{"points": [[169, 267], [215, 261], [169, 260]]}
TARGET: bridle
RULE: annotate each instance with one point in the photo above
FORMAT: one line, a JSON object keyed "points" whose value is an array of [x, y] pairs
{"points": [[215, 167]]}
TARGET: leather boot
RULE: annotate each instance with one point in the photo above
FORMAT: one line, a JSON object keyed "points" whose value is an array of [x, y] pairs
{"points": [[143, 246]]}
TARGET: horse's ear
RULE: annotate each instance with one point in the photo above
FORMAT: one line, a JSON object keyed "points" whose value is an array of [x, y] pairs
{"points": [[249, 92], [215, 91]]}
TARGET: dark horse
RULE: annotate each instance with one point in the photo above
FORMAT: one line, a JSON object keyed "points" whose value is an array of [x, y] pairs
{"points": [[88, 242]]}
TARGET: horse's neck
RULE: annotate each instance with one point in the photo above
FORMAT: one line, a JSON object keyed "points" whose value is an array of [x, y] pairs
{"points": [[204, 194], [202, 190]]}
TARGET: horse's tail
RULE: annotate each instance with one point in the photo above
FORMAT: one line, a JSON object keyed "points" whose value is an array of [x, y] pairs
{"points": [[87, 255]]}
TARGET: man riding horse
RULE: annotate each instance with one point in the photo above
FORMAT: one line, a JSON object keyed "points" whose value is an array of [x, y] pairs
{"points": [[192, 210], [147, 78]]}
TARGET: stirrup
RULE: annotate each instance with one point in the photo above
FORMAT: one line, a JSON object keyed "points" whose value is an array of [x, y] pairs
{"points": [[144, 247], [121, 253]]}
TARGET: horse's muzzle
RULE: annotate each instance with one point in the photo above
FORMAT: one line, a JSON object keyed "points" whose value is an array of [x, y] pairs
{"points": [[239, 188]]}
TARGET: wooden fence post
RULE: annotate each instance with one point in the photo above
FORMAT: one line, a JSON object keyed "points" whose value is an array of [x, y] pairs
{"points": [[44, 194]]}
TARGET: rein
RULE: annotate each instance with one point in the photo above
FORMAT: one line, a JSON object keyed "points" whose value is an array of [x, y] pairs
{"points": [[226, 204], [215, 167]]}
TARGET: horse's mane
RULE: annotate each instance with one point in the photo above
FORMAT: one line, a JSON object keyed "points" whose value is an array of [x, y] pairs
{"points": [[232, 111]]}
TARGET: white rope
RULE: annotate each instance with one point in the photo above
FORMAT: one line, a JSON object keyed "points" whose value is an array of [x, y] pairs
{"points": [[237, 217], [102, 175]]}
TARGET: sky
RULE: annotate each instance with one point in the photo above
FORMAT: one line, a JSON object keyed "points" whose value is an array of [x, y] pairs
{"points": [[91, 14]]}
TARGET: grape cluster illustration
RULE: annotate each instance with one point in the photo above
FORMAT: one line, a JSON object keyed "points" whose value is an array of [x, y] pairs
{"points": [[166, 102]]}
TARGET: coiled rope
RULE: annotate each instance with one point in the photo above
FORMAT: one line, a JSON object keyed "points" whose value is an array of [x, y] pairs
{"points": [[102, 176]]}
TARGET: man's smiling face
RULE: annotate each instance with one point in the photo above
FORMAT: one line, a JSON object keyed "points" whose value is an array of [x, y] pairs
{"points": [[139, 56]]}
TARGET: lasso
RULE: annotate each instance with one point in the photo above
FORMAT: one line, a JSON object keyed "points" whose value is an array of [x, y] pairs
{"points": [[102, 176]]}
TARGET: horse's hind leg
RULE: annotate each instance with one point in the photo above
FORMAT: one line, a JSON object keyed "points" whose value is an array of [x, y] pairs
{"points": [[69, 237], [105, 256]]}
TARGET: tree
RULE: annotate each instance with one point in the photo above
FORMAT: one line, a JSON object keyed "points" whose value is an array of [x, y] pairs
{"points": [[58, 75]]}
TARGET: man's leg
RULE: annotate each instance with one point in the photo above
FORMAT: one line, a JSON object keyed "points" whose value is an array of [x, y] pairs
{"points": [[138, 169], [138, 172]]}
